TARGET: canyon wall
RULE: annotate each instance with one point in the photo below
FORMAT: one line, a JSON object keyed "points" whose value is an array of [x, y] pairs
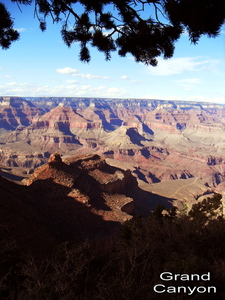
{"points": [[159, 140]]}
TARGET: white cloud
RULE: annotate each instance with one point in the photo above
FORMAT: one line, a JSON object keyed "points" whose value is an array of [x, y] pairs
{"points": [[113, 90], [188, 83], [101, 87], [66, 90], [116, 92], [180, 65], [21, 29], [11, 83], [67, 70], [107, 32], [124, 77], [71, 81], [86, 87], [76, 73], [17, 90], [128, 79], [90, 76], [16, 84], [6, 76], [75, 90]]}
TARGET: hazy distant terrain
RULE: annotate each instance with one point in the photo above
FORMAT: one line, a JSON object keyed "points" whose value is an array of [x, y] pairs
{"points": [[159, 141]]}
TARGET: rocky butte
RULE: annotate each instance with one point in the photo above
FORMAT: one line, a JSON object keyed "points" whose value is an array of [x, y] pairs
{"points": [[73, 199]]}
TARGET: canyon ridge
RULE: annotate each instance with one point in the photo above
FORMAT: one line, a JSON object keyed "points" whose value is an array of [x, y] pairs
{"points": [[175, 149]]}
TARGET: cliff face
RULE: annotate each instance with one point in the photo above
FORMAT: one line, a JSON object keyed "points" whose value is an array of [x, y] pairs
{"points": [[15, 111], [60, 129], [78, 198], [22, 221], [23, 158], [92, 181], [160, 140]]}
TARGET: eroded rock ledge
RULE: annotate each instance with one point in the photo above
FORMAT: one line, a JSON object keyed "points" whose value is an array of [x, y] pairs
{"points": [[92, 182]]}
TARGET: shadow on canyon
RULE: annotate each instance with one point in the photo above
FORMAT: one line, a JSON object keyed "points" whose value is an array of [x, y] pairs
{"points": [[145, 202], [11, 176], [41, 216]]}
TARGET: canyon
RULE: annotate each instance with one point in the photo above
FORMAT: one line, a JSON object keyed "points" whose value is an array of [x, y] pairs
{"points": [[95, 195], [165, 144]]}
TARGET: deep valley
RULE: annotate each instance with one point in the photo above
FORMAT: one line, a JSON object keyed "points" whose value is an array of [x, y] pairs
{"points": [[99, 196], [159, 141]]}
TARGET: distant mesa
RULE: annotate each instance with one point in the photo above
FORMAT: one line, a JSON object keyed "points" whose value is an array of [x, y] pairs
{"points": [[15, 111]]}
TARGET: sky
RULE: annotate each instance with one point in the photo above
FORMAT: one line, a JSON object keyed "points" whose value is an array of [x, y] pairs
{"points": [[41, 65]]}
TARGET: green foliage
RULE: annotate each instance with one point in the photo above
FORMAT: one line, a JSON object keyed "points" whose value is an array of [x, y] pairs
{"points": [[206, 209], [145, 29], [184, 209]]}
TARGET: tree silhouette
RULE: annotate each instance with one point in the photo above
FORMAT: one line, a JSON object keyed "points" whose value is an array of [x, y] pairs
{"points": [[146, 29], [7, 33]]}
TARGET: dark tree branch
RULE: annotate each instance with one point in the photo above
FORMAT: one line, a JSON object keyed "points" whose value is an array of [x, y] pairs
{"points": [[145, 39]]}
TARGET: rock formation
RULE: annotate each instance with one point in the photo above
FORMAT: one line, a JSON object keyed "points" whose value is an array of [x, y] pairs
{"points": [[92, 181], [160, 140], [15, 111], [72, 199]]}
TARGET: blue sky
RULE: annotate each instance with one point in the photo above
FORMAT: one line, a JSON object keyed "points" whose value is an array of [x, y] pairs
{"points": [[40, 64]]}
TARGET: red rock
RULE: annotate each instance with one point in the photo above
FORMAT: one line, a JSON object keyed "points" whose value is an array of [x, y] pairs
{"points": [[15, 111], [166, 140]]}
